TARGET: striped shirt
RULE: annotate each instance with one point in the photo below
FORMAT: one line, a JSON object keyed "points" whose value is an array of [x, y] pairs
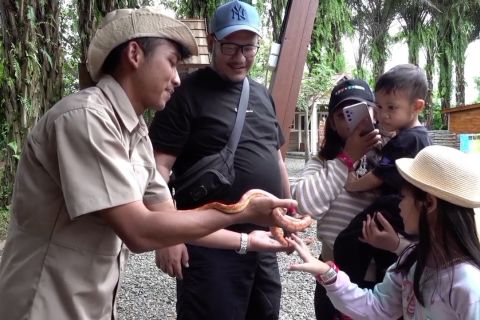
{"points": [[320, 193]]}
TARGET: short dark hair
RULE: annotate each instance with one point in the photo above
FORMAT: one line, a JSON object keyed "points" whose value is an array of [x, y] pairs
{"points": [[404, 77], [148, 45]]}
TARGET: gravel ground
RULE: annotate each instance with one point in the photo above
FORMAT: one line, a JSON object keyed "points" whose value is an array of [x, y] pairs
{"points": [[147, 293]]}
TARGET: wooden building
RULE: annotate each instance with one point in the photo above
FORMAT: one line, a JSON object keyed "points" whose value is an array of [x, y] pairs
{"points": [[317, 121], [199, 30], [464, 119]]}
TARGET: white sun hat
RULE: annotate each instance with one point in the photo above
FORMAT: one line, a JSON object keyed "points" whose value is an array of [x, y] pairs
{"points": [[446, 173], [122, 25]]}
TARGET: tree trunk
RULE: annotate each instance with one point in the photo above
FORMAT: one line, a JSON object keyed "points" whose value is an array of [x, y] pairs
{"points": [[460, 80], [306, 135], [50, 55], [30, 31], [86, 26], [361, 55], [379, 54], [429, 70], [445, 80], [277, 16], [413, 49]]}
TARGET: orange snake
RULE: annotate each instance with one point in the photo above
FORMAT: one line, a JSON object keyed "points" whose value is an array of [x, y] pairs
{"points": [[283, 221]]}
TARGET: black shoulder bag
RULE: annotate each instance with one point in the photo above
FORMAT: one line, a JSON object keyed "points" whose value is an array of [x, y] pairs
{"points": [[212, 176]]}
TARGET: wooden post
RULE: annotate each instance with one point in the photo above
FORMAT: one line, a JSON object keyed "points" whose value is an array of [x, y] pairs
{"points": [[287, 78]]}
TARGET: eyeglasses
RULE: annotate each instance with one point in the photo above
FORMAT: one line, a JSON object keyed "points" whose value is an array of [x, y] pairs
{"points": [[230, 49]]}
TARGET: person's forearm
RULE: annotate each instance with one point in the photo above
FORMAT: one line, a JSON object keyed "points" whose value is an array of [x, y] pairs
{"points": [[284, 177], [184, 226], [144, 230], [165, 173], [221, 239]]}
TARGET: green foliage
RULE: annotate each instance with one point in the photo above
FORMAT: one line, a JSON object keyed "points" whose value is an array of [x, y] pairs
{"points": [[2, 61], [365, 75], [4, 220], [315, 84], [477, 86], [333, 21], [193, 8], [3, 119], [437, 116], [276, 17], [414, 16], [70, 45], [259, 70], [15, 149], [4, 212]]}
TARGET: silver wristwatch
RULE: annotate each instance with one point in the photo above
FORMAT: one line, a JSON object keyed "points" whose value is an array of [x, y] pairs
{"points": [[243, 244]]}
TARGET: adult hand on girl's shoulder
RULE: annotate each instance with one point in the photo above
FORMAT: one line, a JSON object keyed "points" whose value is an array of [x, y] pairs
{"points": [[357, 144], [386, 239]]}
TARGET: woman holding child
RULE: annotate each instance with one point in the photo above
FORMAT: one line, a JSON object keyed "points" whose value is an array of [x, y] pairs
{"points": [[320, 191]]}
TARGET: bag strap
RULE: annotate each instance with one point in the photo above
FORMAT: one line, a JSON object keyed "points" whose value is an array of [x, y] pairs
{"points": [[240, 119]]}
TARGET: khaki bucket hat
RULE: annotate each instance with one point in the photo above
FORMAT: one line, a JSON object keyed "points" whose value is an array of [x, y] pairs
{"points": [[446, 173], [122, 25]]}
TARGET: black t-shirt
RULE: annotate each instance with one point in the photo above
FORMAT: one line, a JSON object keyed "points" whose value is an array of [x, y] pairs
{"points": [[406, 144], [199, 118]]}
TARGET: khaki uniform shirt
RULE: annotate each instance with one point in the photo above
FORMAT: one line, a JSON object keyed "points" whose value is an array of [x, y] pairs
{"points": [[61, 260]]}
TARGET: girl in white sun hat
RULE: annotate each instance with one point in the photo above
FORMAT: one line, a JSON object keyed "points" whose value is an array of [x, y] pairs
{"points": [[436, 278]]}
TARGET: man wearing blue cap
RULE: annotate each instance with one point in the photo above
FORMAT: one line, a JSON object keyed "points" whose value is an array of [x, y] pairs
{"points": [[233, 282]]}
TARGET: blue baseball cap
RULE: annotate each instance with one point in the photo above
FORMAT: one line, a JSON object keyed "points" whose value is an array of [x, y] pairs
{"points": [[234, 16]]}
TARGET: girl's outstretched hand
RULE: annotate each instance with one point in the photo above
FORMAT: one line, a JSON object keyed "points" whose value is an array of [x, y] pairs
{"points": [[311, 264]]}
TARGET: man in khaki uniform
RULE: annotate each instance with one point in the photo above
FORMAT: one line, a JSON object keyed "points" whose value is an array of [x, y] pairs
{"points": [[86, 183]]}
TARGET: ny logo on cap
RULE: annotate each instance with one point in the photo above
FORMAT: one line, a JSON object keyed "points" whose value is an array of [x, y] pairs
{"points": [[238, 12]]}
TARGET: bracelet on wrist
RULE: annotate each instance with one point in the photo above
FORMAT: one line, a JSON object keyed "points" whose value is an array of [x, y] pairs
{"points": [[330, 276], [243, 244], [346, 159]]}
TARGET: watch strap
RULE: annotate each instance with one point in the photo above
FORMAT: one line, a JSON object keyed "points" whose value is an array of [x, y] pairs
{"points": [[243, 244]]}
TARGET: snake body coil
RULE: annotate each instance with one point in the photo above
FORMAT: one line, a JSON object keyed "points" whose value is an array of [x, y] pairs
{"points": [[283, 221]]}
